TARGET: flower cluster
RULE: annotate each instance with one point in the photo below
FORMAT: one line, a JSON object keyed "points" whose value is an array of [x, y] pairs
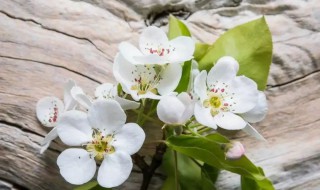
{"points": [[96, 128]]}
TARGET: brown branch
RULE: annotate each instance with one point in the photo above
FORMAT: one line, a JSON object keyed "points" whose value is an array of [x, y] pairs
{"points": [[149, 170]]}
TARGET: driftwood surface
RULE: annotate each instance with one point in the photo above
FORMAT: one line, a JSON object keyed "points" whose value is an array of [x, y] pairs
{"points": [[43, 43]]}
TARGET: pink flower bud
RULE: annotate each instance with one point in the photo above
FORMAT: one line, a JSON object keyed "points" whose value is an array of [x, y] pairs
{"points": [[235, 151]]}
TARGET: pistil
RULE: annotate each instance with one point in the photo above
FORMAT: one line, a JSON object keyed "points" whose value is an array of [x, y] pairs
{"points": [[100, 145]]}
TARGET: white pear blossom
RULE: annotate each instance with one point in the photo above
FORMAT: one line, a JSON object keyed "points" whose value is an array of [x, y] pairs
{"points": [[49, 110], [155, 48], [225, 96], [175, 110], [146, 81], [103, 137]]}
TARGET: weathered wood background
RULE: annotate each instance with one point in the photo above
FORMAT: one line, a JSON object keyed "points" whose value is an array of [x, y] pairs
{"points": [[43, 43]]}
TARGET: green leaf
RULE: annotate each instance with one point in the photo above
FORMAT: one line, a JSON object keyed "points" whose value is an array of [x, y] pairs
{"points": [[177, 28], [92, 185], [210, 172], [250, 44], [185, 77], [189, 173], [209, 150], [247, 183], [200, 50]]}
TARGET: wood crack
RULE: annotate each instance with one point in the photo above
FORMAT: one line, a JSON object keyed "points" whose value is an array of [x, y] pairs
{"points": [[54, 30], [50, 64], [20, 127], [293, 81]]}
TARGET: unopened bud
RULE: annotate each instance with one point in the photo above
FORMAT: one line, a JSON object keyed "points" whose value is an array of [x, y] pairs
{"points": [[234, 150]]}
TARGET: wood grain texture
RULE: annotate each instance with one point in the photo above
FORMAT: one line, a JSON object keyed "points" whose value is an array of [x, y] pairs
{"points": [[42, 44]]}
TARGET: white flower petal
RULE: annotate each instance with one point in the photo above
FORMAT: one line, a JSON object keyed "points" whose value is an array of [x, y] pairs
{"points": [[115, 169], [76, 166], [49, 110], [230, 121], [69, 102], [106, 115], [229, 60], [170, 79], [183, 49], [152, 37], [83, 100], [149, 95], [127, 104], [74, 128], [128, 51], [194, 73], [189, 103], [204, 117], [253, 132], [47, 139], [44, 147], [200, 87], [78, 94], [150, 59], [105, 91], [76, 90], [124, 72], [259, 111], [129, 139], [170, 109], [245, 94], [50, 136], [224, 71]]}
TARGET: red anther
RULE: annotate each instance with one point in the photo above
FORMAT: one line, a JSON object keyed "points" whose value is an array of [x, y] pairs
{"points": [[222, 90], [212, 90], [162, 51]]}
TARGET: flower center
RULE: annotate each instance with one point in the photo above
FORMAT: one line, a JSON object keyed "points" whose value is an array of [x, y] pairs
{"points": [[147, 79], [143, 86], [100, 145], [216, 102]]}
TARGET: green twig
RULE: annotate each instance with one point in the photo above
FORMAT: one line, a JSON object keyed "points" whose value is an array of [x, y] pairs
{"points": [[176, 170], [145, 117], [192, 131], [206, 129], [140, 113], [151, 111]]}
